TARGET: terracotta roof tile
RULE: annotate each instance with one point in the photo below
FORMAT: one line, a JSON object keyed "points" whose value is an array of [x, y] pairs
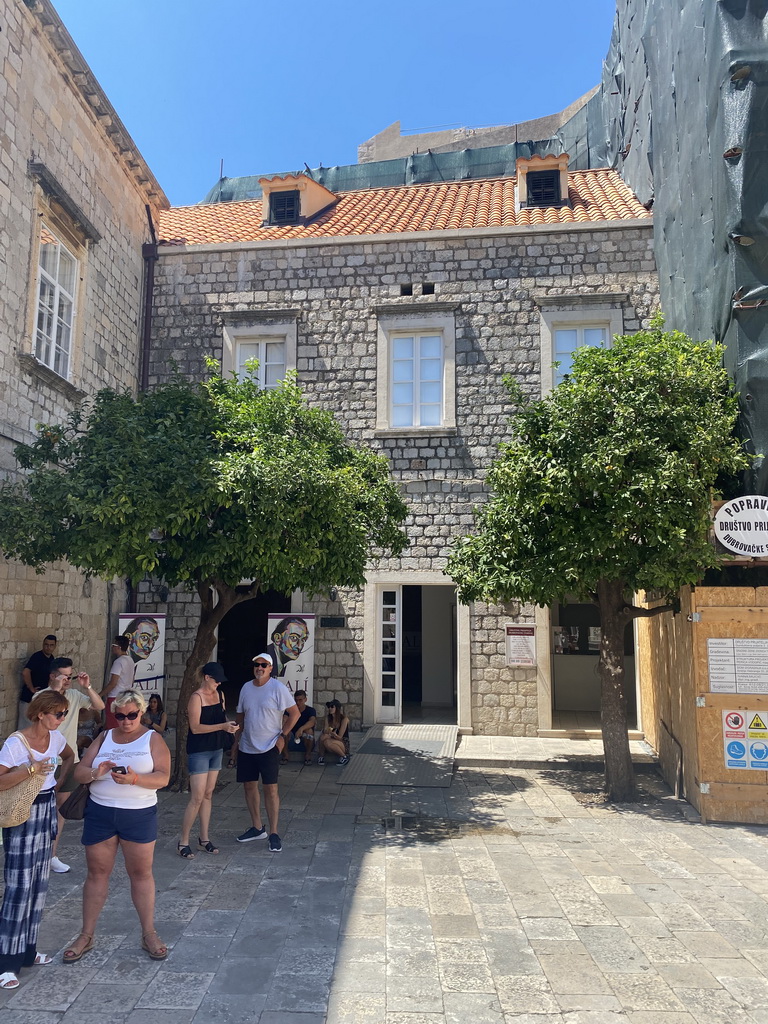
{"points": [[596, 195]]}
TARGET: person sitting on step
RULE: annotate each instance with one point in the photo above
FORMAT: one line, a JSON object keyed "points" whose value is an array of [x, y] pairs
{"points": [[334, 738]]}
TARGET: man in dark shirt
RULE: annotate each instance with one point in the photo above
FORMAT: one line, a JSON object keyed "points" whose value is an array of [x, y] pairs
{"points": [[35, 676], [303, 734]]}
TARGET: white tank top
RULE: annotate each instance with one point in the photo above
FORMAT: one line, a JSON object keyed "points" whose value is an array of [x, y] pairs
{"points": [[136, 755]]}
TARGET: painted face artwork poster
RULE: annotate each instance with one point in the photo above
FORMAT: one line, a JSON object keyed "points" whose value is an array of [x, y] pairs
{"points": [[291, 645], [146, 648]]}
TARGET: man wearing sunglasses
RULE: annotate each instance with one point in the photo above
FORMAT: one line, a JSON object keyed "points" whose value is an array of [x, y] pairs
{"points": [[60, 681], [263, 703]]}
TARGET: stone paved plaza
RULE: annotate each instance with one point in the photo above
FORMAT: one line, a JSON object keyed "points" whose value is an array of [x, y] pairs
{"points": [[513, 896]]}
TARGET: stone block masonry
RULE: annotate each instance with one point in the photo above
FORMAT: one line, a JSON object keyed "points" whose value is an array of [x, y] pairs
{"points": [[91, 197], [491, 284]]}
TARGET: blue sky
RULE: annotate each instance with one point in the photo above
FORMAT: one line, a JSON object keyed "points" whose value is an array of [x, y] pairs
{"points": [[269, 85]]}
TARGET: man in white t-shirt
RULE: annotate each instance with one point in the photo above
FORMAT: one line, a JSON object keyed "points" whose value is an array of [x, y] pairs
{"points": [[61, 680], [266, 714], [120, 677]]}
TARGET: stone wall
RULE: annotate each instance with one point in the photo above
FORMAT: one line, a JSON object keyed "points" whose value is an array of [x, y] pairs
{"points": [[45, 119], [339, 289]]}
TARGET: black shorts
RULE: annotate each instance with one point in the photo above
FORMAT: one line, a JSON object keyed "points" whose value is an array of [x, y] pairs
{"points": [[252, 766]]}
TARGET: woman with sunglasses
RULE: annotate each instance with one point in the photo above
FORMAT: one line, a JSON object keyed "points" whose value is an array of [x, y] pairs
{"points": [[39, 748], [125, 767], [334, 738]]}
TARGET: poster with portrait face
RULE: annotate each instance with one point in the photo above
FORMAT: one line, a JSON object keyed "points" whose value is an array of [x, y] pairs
{"points": [[146, 648], [291, 645]]}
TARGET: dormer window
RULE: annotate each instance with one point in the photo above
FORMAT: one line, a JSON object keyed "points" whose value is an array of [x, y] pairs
{"points": [[544, 188], [542, 181], [284, 207], [293, 199]]}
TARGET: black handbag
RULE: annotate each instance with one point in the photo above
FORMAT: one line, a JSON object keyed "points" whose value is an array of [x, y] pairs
{"points": [[73, 807]]}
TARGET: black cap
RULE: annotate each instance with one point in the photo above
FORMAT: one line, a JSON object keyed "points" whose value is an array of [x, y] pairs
{"points": [[215, 671]]}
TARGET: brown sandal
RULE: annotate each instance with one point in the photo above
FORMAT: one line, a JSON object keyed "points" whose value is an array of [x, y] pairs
{"points": [[71, 955], [156, 952]]}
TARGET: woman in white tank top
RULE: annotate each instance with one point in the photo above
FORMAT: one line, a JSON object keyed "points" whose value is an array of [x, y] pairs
{"points": [[125, 767]]}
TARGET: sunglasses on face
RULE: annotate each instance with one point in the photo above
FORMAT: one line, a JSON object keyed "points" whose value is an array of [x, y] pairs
{"points": [[131, 716], [59, 714], [262, 664]]}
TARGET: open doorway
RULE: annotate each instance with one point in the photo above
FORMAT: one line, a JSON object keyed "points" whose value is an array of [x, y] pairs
{"points": [[243, 635], [428, 659]]}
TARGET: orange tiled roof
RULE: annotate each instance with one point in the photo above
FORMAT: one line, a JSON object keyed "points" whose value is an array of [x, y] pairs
{"points": [[597, 195]]}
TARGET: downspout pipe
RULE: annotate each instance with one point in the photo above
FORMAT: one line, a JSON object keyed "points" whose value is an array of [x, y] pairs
{"points": [[149, 253]]}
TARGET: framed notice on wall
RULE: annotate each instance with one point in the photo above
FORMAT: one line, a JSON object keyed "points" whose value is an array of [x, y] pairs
{"points": [[737, 665], [520, 645]]}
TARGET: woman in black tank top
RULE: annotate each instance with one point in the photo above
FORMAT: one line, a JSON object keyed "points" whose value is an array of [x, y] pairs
{"points": [[208, 727]]}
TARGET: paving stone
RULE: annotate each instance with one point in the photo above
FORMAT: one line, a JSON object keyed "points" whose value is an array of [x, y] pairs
{"points": [[416, 994], [356, 1008], [525, 994], [478, 1007], [177, 992], [648, 992], [225, 1008]]}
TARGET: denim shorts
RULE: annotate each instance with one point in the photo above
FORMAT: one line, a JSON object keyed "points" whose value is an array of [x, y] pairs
{"points": [[135, 824], [204, 761], [294, 744]]}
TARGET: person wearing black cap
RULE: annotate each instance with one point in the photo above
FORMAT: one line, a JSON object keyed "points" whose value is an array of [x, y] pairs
{"points": [[208, 726]]}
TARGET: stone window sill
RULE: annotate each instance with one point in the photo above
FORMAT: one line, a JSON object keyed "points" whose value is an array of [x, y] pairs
{"points": [[415, 432], [34, 368]]}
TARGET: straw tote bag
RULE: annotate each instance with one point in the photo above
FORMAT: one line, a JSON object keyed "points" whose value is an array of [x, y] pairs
{"points": [[16, 803]]}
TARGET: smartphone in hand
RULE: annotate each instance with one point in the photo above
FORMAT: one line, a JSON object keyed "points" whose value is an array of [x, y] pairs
{"points": [[120, 769]]}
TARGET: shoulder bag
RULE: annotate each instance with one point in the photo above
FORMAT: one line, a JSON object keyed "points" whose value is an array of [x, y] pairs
{"points": [[73, 808], [16, 802]]}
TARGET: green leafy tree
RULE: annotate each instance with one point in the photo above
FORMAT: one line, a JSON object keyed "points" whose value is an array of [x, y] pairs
{"points": [[604, 490], [204, 485]]}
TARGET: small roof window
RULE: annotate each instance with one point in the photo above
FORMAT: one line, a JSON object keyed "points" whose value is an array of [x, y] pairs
{"points": [[542, 181], [293, 199], [284, 207]]}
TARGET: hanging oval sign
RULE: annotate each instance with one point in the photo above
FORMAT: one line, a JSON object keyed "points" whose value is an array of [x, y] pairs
{"points": [[741, 526]]}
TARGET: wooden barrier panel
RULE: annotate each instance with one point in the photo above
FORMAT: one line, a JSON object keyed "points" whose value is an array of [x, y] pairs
{"points": [[683, 719]]}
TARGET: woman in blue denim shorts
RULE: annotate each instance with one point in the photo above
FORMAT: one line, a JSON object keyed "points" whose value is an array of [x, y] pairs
{"points": [[125, 767], [208, 728]]}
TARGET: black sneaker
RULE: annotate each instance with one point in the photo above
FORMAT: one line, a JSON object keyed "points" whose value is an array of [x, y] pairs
{"points": [[275, 846], [252, 833]]}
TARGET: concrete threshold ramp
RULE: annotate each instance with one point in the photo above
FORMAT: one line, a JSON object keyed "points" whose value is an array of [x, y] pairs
{"points": [[403, 755]]}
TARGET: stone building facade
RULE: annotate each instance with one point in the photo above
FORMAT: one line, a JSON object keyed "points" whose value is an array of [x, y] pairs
{"points": [[73, 218], [339, 291]]}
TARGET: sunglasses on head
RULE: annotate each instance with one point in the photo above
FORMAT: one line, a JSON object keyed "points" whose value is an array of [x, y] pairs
{"points": [[131, 716]]}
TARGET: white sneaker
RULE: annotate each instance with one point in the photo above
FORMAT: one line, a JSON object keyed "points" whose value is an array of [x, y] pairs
{"points": [[59, 866]]}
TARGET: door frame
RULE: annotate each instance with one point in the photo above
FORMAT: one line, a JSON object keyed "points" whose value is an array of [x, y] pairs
{"points": [[387, 579]]}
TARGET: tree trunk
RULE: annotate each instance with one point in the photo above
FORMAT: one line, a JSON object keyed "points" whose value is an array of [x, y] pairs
{"points": [[211, 615], [619, 772]]}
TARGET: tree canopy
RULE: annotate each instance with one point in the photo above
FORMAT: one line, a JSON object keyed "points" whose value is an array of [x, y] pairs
{"points": [[606, 485], [206, 485], [194, 482]]}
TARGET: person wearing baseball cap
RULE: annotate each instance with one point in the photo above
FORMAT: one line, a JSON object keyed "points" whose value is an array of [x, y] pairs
{"points": [[267, 713], [208, 728]]}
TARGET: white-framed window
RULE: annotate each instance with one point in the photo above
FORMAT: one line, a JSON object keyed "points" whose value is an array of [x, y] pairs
{"points": [[270, 353], [272, 344], [416, 394], [564, 331], [55, 304], [416, 387], [568, 338]]}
